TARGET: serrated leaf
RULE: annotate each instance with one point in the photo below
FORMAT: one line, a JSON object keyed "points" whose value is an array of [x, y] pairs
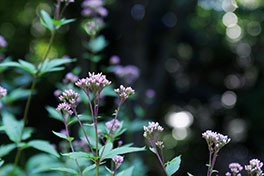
{"points": [[123, 150], [46, 20], [173, 165], [126, 172], [43, 146], [85, 171], [69, 170], [5, 149]]}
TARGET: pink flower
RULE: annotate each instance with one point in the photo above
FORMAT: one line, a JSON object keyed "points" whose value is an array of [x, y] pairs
{"points": [[118, 160], [115, 123], [3, 92]]}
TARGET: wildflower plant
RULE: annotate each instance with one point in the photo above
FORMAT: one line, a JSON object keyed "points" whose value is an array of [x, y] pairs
{"points": [[215, 142]]}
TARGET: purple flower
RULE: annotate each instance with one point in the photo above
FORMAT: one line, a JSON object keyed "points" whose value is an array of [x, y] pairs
{"points": [[115, 123], [114, 60], [152, 129], [3, 92], [254, 167], [216, 139], [65, 108], [70, 78], [124, 93], [160, 144], [3, 42], [235, 169], [94, 82], [57, 93], [118, 161], [128, 73], [70, 97], [150, 93], [92, 8]]}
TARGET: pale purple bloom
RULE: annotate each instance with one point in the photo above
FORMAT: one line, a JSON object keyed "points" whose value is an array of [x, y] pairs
{"points": [[150, 93], [3, 42], [120, 143], [70, 78], [217, 139], [235, 169], [65, 108], [3, 92], [114, 124], [114, 60], [128, 73], [69, 96], [228, 174], [152, 129], [57, 93], [124, 92], [160, 144], [254, 167], [92, 8], [118, 160]]}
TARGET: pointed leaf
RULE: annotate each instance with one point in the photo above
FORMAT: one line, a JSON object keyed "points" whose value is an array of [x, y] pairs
{"points": [[69, 170], [173, 165], [5, 149], [123, 150], [46, 20], [43, 146]]}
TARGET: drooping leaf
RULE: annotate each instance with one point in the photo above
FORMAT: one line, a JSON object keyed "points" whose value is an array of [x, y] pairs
{"points": [[123, 150], [21, 64], [43, 146], [173, 165], [69, 170], [5, 149], [126, 172]]}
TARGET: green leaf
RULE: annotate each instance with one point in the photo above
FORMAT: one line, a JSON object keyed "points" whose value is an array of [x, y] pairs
{"points": [[59, 23], [76, 155], [108, 148], [108, 170], [189, 174], [97, 44], [53, 113], [46, 20], [63, 136], [69, 170], [1, 162], [21, 64], [12, 127], [152, 149], [27, 133], [126, 172], [43, 146], [16, 95], [173, 165], [5, 149], [123, 150], [85, 171]]}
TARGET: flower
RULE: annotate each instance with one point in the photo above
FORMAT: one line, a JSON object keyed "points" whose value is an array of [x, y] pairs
{"points": [[235, 169], [115, 123], [70, 78], [217, 139], [128, 73], [70, 97], [114, 60], [65, 108], [3, 92], [160, 144], [254, 167], [3, 42], [118, 160], [92, 8], [152, 129], [124, 93], [95, 82]]}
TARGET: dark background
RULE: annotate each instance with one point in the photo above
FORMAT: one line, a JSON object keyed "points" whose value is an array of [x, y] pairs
{"points": [[183, 53]]}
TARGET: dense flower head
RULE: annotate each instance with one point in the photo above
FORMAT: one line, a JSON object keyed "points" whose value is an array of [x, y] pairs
{"points": [[3, 92], [151, 129], [235, 169], [254, 167], [118, 160], [70, 97], [115, 123], [94, 82], [3, 42], [92, 8], [217, 139], [70, 78], [128, 73], [124, 92], [65, 108]]}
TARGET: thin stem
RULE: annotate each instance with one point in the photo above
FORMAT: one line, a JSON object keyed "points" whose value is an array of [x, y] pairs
{"points": [[210, 163], [96, 131], [86, 137], [213, 162], [68, 136]]}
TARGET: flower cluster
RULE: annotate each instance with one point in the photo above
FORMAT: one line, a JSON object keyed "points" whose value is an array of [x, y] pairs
{"points": [[95, 82], [70, 97], [70, 78], [254, 167], [152, 129], [3, 42], [118, 160], [115, 123], [160, 144], [3, 92], [235, 169], [64, 107], [124, 93], [216, 139], [128, 73], [92, 8]]}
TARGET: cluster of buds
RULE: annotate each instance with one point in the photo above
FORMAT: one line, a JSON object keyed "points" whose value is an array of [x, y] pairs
{"points": [[70, 78], [95, 82], [3, 92], [160, 144], [69, 100], [118, 160], [124, 93], [93, 8], [215, 140], [254, 167], [152, 129], [114, 124], [235, 169]]}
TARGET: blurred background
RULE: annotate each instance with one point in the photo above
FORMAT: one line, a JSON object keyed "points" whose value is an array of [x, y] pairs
{"points": [[195, 65]]}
